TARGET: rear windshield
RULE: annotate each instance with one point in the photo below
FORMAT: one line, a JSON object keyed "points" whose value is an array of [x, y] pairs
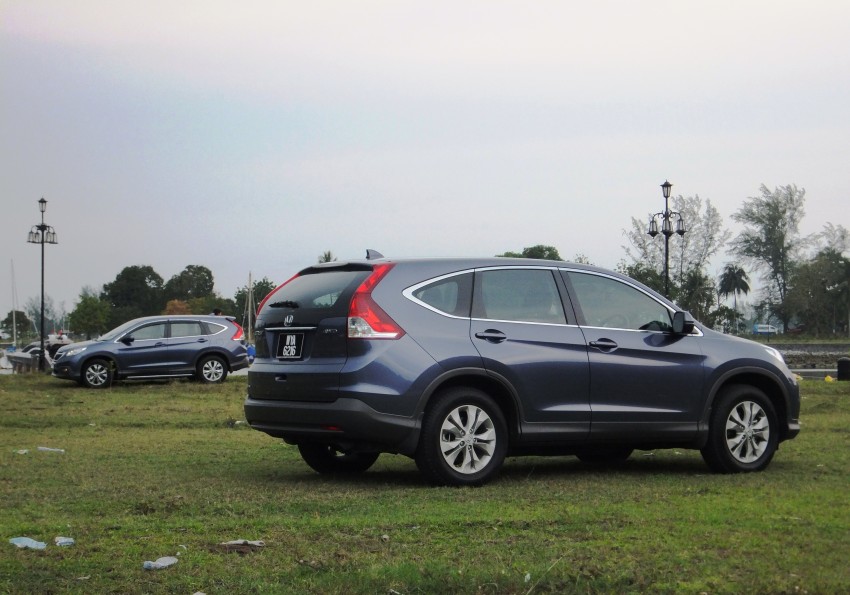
{"points": [[329, 291]]}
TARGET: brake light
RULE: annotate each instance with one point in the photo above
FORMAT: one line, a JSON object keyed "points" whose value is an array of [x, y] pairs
{"points": [[366, 319], [239, 333], [274, 291]]}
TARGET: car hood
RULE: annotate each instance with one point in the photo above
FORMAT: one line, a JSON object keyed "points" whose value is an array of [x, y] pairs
{"points": [[71, 346]]}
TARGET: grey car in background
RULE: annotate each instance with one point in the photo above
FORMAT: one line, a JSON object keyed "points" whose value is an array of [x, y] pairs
{"points": [[459, 363], [203, 347]]}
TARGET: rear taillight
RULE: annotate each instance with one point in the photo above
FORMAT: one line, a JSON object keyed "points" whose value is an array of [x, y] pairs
{"points": [[366, 319], [239, 333]]}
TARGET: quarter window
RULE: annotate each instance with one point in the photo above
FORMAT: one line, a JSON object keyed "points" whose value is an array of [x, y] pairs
{"points": [[451, 295], [609, 303], [522, 295]]}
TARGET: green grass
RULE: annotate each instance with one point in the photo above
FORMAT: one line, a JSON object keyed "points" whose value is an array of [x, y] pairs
{"points": [[153, 470]]}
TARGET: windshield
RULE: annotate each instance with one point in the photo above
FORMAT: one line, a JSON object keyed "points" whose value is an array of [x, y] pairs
{"points": [[118, 331]]}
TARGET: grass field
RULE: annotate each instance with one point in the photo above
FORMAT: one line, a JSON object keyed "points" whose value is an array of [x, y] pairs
{"points": [[151, 470]]}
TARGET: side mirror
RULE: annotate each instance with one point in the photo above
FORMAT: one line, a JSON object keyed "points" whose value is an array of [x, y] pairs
{"points": [[683, 323], [127, 339]]}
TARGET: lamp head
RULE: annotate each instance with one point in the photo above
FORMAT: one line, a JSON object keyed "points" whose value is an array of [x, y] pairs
{"points": [[42, 204], [665, 188], [653, 227]]}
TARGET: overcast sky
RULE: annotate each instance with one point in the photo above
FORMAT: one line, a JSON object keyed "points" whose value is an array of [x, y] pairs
{"points": [[253, 136]]}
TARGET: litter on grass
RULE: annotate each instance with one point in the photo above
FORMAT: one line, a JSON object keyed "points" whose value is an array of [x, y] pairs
{"points": [[160, 563], [27, 543], [48, 449], [64, 541]]}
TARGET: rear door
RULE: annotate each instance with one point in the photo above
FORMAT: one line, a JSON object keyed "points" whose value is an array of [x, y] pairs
{"points": [[301, 335], [188, 339], [520, 328]]}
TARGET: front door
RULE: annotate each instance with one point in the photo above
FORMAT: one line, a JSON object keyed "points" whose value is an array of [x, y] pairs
{"points": [[645, 381]]}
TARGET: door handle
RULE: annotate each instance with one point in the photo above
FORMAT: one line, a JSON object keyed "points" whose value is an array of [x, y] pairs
{"points": [[492, 336], [606, 345], [202, 340]]}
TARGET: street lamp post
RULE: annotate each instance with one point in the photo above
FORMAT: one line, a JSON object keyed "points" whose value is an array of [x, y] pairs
{"points": [[666, 217], [42, 234]]}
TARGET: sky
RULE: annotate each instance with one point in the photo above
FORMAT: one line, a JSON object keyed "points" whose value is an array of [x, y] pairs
{"points": [[252, 136]]}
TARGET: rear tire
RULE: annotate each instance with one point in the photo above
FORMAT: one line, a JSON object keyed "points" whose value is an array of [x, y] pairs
{"points": [[464, 438], [211, 369], [326, 459], [743, 433], [97, 373]]}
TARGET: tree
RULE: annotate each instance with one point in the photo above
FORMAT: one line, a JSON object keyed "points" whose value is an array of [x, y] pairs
{"points": [[193, 282], [177, 307], [18, 324], [704, 238], [262, 288], [90, 316], [819, 295], [205, 305], [734, 280], [643, 272], [33, 310], [137, 291], [696, 294], [539, 251], [327, 256], [771, 241]]}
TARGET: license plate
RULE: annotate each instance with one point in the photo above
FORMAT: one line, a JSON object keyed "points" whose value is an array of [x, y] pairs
{"points": [[289, 345]]}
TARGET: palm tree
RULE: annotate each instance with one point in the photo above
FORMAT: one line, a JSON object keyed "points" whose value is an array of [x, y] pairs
{"points": [[327, 256], [734, 280]]}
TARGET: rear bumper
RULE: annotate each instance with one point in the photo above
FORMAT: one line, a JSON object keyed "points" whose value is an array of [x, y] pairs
{"points": [[347, 423]]}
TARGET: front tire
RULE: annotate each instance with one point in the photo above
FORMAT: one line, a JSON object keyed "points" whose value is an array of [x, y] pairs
{"points": [[464, 439], [325, 459], [211, 369], [743, 431], [97, 373]]}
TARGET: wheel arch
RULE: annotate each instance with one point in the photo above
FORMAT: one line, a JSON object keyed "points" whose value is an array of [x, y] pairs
{"points": [[495, 386], [219, 353], [107, 357], [768, 383]]}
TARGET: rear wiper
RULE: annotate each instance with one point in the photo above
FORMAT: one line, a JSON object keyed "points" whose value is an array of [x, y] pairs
{"points": [[284, 304]]}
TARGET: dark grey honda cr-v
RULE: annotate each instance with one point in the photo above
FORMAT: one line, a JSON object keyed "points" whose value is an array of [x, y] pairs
{"points": [[459, 363]]}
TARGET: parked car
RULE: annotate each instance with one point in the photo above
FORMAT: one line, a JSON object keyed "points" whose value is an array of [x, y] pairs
{"points": [[765, 329], [459, 363], [203, 347]]}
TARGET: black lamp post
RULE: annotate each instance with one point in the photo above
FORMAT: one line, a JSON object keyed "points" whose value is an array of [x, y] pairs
{"points": [[42, 234], [666, 217]]}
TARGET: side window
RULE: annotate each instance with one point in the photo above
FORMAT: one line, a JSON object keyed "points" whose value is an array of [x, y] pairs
{"points": [[451, 295], [149, 332], [522, 295], [609, 303], [186, 329]]}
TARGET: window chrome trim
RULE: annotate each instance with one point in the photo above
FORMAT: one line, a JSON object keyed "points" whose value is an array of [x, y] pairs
{"points": [[627, 281], [408, 293]]}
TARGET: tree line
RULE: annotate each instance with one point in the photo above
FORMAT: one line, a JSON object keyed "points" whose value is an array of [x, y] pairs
{"points": [[139, 291], [804, 279]]}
